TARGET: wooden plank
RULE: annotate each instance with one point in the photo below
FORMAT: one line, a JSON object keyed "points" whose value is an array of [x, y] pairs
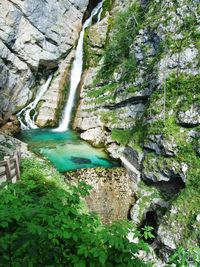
{"points": [[17, 165], [2, 173], [8, 170], [2, 163], [12, 160]]}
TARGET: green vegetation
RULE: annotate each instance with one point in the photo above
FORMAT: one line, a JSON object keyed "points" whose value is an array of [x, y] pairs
{"points": [[99, 91], [184, 258], [90, 57], [117, 50], [44, 223], [181, 92], [107, 6], [121, 136]]}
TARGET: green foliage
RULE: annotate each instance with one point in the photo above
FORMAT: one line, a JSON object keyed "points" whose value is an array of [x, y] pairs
{"points": [[99, 91], [138, 135], [121, 136], [181, 92], [185, 258], [148, 232], [107, 6], [125, 26], [42, 223]]}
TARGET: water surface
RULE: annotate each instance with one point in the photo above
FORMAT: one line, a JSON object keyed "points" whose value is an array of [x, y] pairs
{"points": [[65, 150]]}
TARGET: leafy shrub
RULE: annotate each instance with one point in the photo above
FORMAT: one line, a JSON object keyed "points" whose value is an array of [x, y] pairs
{"points": [[185, 258], [125, 26], [44, 224]]}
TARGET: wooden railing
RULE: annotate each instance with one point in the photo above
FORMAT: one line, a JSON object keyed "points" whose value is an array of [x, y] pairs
{"points": [[9, 168]]}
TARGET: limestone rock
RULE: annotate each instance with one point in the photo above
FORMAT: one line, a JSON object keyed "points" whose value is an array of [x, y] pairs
{"points": [[147, 203], [190, 117], [115, 150], [52, 100], [157, 169], [96, 136], [9, 145], [33, 33], [167, 238], [98, 32], [134, 157], [167, 147]]}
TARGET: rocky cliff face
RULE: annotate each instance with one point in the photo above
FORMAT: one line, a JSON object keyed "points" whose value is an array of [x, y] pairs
{"points": [[34, 36], [139, 94], [140, 98]]}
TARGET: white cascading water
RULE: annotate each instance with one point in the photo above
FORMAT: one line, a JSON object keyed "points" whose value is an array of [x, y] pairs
{"points": [[24, 116], [76, 72]]}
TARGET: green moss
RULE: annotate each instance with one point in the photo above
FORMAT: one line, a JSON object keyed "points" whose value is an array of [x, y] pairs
{"points": [[99, 91], [107, 6], [181, 92], [118, 48], [137, 137], [121, 136], [147, 195], [109, 117]]}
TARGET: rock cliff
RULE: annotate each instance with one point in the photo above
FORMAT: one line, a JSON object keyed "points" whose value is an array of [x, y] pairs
{"points": [[139, 95], [140, 98], [34, 36]]}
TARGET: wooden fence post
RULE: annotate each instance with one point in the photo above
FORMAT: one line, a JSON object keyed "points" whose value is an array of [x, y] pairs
{"points": [[7, 166], [17, 169]]}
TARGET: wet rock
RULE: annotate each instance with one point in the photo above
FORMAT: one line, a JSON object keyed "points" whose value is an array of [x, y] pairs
{"points": [[11, 127], [28, 43], [97, 34], [156, 169], [80, 160], [96, 136], [190, 117], [52, 101], [157, 143], [134, 157]]}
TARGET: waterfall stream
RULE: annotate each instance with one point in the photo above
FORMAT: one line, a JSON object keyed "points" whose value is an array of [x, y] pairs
{"points": [[26, 120], [76, 72], [61, 146]]}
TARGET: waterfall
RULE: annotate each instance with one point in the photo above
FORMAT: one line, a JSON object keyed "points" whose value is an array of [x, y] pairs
{"points": [[76, 72], [26, 120]]}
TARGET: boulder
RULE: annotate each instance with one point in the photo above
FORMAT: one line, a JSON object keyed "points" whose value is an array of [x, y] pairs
{"points": [[96, 136], [97, 33], [190, 117], [157, 143], [134, 157]]}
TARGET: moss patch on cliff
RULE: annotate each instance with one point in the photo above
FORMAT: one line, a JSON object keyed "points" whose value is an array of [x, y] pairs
{"points": [[121, 136], [181, 92], [118, 48]]}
